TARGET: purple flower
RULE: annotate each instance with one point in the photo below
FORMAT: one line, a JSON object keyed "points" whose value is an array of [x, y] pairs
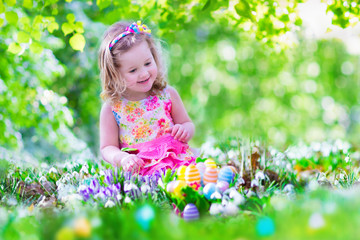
{"points": [[130, 187], [84, 192], [94, 186], [127, 176], [147, 179], [107, 191], [109, 177], [116, 188]]}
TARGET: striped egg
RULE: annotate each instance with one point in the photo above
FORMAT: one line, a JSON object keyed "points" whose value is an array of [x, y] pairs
{"points": [[201, 167], [226, 174], [191, 213], [210, 163], [210, 175], [181, 173], [192, 174]]}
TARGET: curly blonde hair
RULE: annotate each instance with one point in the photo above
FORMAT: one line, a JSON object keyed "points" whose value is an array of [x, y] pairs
{"points": [[113, 84]]}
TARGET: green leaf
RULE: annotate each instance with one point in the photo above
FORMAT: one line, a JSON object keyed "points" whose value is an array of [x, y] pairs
{"points": [[36, 34], [52, 27], [79, 27], [37, 21], [243, 9], [11, 17], [103, 3], [23, 37], [55, 11], [10, 3], [77, 42], [70, 17], [68, 0], [2, 7], [14, 48], [25, 21], [28, 4], [126, 149], [35, 47], [67, 28], [207, 5], [1, 22]]}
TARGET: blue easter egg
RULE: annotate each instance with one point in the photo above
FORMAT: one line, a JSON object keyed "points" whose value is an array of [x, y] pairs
{"points": [[226, 174], [190, 212], [209, 189]]}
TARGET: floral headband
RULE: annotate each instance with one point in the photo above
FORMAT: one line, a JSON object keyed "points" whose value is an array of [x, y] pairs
{"points": [[133, 28]]}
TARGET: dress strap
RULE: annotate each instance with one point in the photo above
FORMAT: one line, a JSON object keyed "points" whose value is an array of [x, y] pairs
{"points": [[166, 93]]}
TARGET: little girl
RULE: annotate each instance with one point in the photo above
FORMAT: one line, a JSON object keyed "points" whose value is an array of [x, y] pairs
{"points": [[140, 110]]}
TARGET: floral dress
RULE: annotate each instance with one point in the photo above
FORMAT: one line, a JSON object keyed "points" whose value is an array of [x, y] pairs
{"points": [[142, 125]]}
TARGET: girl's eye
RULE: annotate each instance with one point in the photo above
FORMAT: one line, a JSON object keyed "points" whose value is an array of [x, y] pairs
{"points": [[147, 64], [133, 70]]}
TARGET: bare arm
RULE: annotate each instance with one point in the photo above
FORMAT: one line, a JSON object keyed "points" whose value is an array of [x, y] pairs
{"points": [[109, 141], [184, 128]]}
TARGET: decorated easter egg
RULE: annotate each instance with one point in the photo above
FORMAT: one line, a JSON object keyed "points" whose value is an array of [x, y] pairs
{"points": [[201, 167], [191, 212], [210, 175], [222, 186], [233, 169], [209, 189], [226, 174], [210, 163], [171, 186], [192, 174], [177, 190], [181, 173]]}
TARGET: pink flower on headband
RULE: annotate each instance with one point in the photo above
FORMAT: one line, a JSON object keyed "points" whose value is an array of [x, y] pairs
{"points": [[133, 28]]}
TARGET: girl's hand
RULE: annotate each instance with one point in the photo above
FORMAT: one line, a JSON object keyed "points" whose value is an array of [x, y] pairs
{"points": [[179, 132], [131, 162]]}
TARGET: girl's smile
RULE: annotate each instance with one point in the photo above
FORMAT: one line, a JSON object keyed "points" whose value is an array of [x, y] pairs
{"points": [[139, 69]]}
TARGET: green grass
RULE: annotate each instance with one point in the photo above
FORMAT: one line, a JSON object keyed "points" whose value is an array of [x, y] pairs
{"points": [[313, 198]]}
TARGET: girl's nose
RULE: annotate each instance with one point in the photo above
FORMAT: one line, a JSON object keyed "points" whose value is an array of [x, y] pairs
{"points": [[144, 74]]}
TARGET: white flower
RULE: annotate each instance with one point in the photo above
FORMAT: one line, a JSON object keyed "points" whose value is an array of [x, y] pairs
{"points": [[145, 188], [216, 209], [28, 179], [42, 179], [109, 204], [230, 209], [254, 183], [118, 197], [238, 199], [75, 175], [259, 175], [216, 195], [289, 188], [127, 199], [53, 170], [84, 170], [100, 196]]}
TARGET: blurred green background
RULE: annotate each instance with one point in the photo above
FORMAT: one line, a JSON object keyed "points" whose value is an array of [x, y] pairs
{"points": [[243, 68]]}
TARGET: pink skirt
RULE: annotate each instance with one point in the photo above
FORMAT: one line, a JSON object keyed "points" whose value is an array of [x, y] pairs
{"points": [[162, 153]]}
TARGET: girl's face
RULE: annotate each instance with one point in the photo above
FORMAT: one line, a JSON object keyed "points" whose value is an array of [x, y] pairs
{"points": [[139, 69]]}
